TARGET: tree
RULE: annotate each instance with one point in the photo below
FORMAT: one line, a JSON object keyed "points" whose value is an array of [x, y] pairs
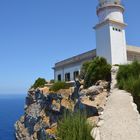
{"points": [[84, 69], [97, 69], [40, 82]]}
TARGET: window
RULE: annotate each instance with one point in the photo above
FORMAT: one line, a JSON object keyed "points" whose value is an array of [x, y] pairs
{"points": [[67, 77], [59, 77], [116, 29], [75, 74]]}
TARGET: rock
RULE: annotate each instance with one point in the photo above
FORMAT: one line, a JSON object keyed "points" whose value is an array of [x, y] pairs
{"points": [[22, 118], [43, 109], [21, 131], [51, 133], [103, 84], [41, 134], [86, 107], [100, 99], [75, 94], [100, 123], [95, 133], [31, 91], [91, 91], [55, 106], [100, 109], [92, 98], [93, 121], [65, 93], [29, 123], [114, 69], [29, 100], [100, 113], [97, 100], [44, 90], [67, 104], [95, 90], [81, 87], [82, 82]]}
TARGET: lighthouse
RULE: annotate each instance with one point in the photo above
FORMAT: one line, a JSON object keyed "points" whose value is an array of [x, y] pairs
{"points": [[110, 32]]}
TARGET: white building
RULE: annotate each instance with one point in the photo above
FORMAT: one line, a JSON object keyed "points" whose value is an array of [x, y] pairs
{"points": [[110, 42]]}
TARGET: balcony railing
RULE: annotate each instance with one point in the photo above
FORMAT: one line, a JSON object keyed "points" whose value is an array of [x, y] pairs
{"points": [[109, 3]]}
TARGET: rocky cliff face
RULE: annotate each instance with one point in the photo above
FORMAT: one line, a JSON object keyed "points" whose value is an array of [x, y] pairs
{"points": [[43, 109]]}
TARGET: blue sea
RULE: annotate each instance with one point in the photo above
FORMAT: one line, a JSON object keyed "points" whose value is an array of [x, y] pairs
{"points": [[11, 108]]}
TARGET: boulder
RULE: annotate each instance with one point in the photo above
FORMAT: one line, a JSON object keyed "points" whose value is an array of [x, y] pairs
{"points": [[55, 106], [67, 104], [41, 134], [65, 93], [93, 121], [86, 107], [100, 100], [51, 133], [103, 84], [44, 90], [91, 91]]}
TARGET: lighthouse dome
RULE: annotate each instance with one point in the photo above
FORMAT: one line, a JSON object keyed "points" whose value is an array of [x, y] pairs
{"points": [[109, 1]]}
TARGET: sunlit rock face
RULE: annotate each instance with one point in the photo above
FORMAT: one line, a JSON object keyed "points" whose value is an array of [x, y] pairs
{"points": [[43, 109]]}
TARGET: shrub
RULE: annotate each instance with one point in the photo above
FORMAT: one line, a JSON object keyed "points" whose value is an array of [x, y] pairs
{"points": [[59, 85], [128, 78], [52, 81], [136, 87], [40, 82], [74, 126], [98, 69], [84, 68]]}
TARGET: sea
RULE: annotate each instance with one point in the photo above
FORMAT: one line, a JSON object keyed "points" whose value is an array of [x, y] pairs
{"points": [[11, 108]]}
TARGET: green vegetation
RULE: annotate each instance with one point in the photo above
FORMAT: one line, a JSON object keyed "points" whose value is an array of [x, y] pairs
{"points": [[84, 69], [74, 126], [59, 85], [52, 81], [97, 69], [128, 78], [40, 82]]}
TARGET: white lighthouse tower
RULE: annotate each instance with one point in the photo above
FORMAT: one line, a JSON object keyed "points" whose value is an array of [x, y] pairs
{"points": [[110, 32]]}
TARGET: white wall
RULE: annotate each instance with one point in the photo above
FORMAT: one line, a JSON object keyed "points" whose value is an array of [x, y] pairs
{"points": [[57, 72], [118, 45], [103, 42], [68, 69], [111, 44]]}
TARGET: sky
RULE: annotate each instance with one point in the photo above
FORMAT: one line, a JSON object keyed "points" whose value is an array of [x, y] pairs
{"points": [[35, 34]]}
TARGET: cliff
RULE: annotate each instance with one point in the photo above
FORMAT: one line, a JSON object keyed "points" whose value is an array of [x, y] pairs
{"points": [[43, 109]]}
